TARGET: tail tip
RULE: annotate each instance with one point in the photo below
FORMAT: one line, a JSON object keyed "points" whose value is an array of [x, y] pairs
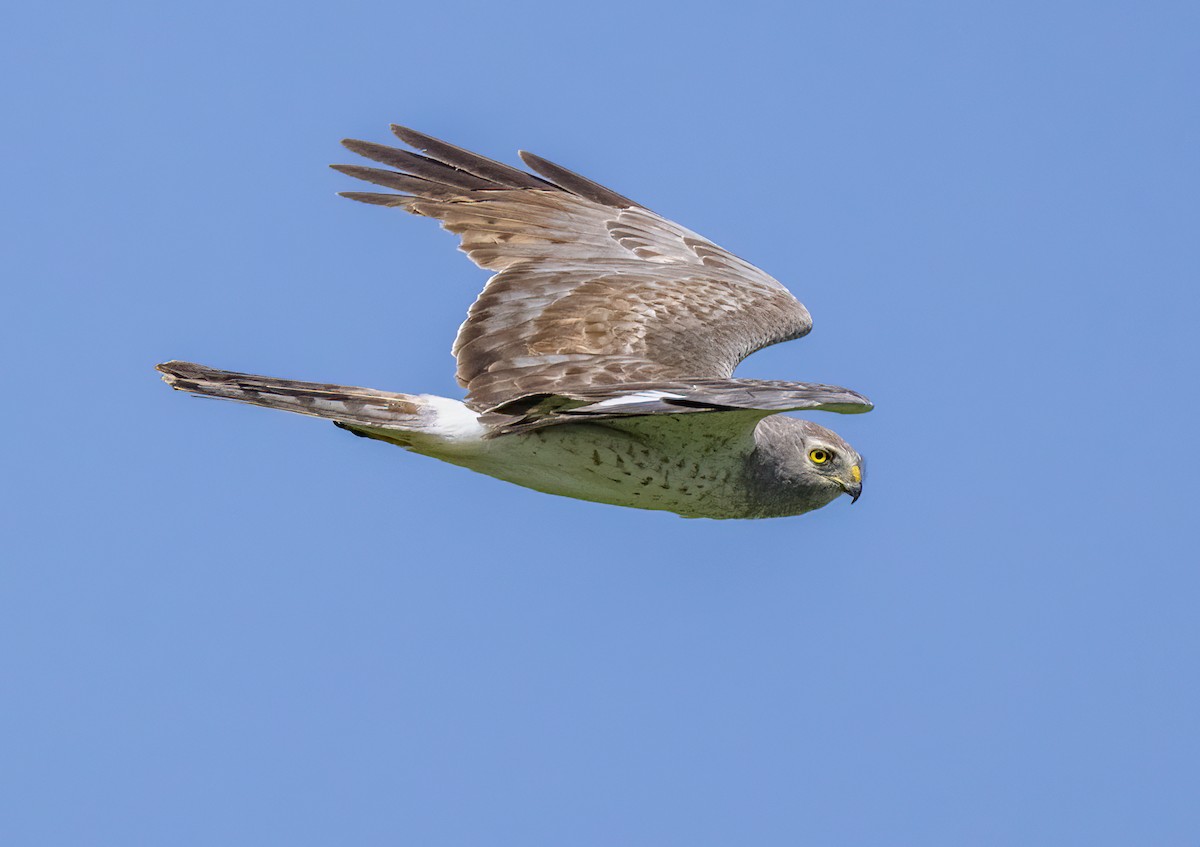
{"points": [[181, 375]]}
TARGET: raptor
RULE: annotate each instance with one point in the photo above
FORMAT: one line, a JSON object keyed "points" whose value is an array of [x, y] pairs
{"points": [[598, 360]]}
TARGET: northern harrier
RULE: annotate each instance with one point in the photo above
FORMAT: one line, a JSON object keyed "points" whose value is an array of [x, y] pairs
{"points": [[599, 359]]}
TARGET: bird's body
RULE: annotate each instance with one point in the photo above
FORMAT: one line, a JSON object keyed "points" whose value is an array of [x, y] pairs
{"points": [[663, 463], [598, 360]]}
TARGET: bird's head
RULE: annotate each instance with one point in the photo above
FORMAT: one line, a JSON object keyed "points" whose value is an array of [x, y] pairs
{"points": [[814, 459], [829, 458]]}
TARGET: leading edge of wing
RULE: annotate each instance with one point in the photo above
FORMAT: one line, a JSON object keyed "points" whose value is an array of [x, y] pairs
{"points": [[707, 395]]}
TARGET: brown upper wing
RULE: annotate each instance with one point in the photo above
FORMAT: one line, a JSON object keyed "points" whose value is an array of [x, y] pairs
{"points": [[592, 289]]}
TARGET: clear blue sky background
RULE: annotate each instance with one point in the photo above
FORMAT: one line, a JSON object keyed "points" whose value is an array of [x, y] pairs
{"points": [[222, 625]]}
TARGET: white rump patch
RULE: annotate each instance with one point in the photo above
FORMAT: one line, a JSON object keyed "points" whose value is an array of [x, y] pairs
{"points": [[453, 421]]}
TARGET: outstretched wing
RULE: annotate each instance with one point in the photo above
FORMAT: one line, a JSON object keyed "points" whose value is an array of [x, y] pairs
{"points": [[593, 291]]}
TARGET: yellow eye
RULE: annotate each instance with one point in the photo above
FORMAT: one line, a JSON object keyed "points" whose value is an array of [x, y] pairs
{"points": [[818, 457]]}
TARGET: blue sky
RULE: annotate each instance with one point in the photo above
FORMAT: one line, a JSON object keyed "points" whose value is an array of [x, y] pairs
{"points": [[223, 625]]}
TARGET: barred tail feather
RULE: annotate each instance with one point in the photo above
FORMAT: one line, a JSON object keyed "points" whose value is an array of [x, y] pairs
{"points": [[348, 405]]}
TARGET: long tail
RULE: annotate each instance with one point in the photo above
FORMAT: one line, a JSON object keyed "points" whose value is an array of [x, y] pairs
{"points": [[349, 406]]}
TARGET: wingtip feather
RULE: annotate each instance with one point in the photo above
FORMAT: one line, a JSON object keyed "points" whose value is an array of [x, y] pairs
{"points": [[575, 183], [408, 136], [373, 198]]}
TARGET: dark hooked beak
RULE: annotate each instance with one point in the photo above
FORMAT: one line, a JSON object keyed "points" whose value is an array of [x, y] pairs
{"points": [[854, 489]]}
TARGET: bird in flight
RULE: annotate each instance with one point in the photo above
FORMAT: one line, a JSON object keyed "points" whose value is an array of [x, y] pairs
{"points": [[598, 360]]}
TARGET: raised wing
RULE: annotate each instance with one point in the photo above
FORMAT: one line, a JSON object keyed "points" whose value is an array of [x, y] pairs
{"points": [[592, 290]]}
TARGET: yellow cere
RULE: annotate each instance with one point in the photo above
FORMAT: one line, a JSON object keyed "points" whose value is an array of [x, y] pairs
{"points": [[856, 474]]}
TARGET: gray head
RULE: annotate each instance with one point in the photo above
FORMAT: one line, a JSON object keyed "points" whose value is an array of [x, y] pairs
{"points": [[800, 466]]}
